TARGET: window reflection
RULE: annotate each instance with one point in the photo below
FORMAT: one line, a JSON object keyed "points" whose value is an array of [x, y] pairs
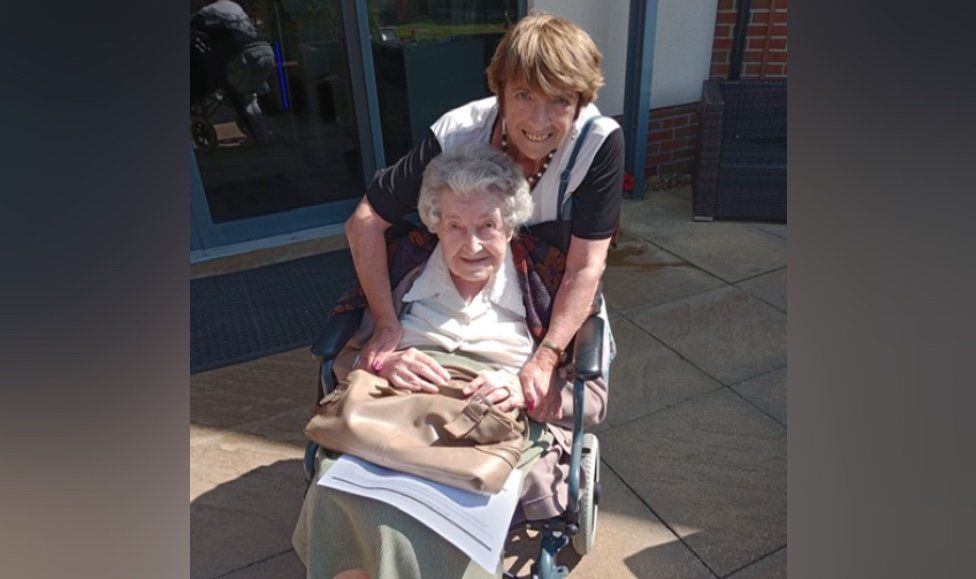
{"points": [[430, 56], [272, 120]]}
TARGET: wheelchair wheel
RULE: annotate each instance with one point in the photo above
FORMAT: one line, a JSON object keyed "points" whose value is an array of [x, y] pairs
{"points": [[203, 134], [590, 495]]}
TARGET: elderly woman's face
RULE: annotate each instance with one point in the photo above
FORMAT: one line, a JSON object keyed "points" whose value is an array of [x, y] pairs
{"points": [[537, 124], [473, 239]]}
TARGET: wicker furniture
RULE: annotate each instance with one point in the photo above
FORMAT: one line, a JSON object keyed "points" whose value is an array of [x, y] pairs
{"points": [[741, 170]]}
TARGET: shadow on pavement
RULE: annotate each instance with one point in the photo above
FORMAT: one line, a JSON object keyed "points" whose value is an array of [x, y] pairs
{"points": [[249, 520], [246, 520], [522, 550]]}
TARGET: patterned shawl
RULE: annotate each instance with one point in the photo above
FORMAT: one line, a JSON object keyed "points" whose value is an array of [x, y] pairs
{"points": [[539, 269]]}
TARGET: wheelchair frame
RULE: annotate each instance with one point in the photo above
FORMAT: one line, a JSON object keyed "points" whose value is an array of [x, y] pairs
{"points": [[587, 360]]}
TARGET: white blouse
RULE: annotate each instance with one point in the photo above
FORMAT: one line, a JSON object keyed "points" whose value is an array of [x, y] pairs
{"points": [[492, 326]]}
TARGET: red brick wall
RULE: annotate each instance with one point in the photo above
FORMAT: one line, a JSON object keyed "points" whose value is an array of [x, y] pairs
{"points": [[671, 137], [672, 134], [765, 50], [673, 131]]}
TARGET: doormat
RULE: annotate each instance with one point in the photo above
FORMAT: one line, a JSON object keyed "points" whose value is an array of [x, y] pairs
{"points": [[249, 314]]}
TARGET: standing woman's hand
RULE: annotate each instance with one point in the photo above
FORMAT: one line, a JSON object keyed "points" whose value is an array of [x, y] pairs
{"points": [[499, 388], [543, 403], [386, 336]]}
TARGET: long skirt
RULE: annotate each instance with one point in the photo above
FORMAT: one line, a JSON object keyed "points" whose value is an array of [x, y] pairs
{"points": [[338, 531]]}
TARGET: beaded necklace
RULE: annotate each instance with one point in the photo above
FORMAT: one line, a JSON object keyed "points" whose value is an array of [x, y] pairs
{"points": [[532, 179]]}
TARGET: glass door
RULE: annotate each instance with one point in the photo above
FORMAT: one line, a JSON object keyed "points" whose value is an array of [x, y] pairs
{"points": [[295, 103], [273, 121]]}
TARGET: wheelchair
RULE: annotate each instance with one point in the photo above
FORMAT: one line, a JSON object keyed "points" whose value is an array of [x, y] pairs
{"points": [[576, 526]]}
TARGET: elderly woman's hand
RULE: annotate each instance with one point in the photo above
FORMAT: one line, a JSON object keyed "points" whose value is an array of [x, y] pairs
{"points": [[543, 402], [413, 370], [500, 388]]}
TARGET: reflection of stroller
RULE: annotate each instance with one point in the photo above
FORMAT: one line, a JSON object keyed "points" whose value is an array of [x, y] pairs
{"points": [[218, 74]]}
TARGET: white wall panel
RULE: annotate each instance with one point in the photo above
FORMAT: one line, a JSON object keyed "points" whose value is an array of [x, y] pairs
{"points": [[682, 47]]}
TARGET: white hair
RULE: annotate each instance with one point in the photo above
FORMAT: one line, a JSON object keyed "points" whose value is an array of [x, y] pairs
{"points": [[475, 169]]}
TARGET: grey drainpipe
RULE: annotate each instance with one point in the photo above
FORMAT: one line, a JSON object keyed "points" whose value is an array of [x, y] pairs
{"points": [[739, 42], [637, 88]]}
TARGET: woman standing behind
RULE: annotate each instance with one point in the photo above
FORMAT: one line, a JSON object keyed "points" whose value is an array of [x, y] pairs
{"points": [[545, 73]]}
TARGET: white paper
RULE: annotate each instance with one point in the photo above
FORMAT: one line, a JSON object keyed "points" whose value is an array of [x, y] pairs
{"points": [[475, 523]]}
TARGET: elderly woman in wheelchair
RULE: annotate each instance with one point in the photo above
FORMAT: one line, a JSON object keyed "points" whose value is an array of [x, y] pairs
{"points": [[478, 291]]}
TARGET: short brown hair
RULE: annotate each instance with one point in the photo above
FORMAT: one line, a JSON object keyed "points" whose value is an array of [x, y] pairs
{"points": [[551, 55]]}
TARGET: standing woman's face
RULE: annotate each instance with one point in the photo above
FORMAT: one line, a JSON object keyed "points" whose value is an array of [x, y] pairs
{"points": [[536, 124]]}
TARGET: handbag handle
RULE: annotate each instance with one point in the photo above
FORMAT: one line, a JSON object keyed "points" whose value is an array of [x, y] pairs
{"points": [[469, 419], [479, 424]]}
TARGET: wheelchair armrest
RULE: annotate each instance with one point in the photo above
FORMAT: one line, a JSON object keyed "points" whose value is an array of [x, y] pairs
{"points": [[588, 348], [336, 333]]}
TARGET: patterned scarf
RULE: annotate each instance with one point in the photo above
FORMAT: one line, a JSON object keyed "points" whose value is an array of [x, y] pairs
{"points": [[539, 269]]}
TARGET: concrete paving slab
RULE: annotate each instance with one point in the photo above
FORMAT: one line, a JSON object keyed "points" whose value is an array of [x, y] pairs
{"points": [[239, 520], [769, 287], [286, 428], [768, 392], [658, 213], [725, 332], [714, 470], [641, 274], [770, 567], [232, 456], [228, 397], [630, 542], [682, 192], [646, 376], [731, 250], [246, 478], [201, 434], [777, 229], [284, 566]]}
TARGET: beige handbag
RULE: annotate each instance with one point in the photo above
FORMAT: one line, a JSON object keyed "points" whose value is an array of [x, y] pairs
{"points": [[444, 437]]}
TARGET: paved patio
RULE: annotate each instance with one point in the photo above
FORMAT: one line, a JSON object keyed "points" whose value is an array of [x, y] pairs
{"points": [[694, 445]]}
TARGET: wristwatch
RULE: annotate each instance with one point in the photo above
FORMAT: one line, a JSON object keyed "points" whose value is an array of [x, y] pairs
{"points": [[559, 351]]}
